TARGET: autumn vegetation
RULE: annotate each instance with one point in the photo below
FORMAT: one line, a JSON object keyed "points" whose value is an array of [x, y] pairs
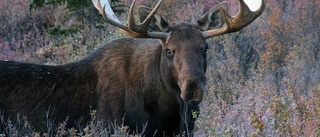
{"points": [[262, 81]]}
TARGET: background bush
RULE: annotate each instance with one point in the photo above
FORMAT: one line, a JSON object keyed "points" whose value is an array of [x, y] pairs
{"points": [[262, 81]]}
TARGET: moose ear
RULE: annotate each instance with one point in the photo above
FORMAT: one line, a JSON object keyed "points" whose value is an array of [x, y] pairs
{"points": [[157, 23], [213, 19]]}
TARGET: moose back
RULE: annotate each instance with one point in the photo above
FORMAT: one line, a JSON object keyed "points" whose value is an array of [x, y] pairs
{"points": [[152, 83]]}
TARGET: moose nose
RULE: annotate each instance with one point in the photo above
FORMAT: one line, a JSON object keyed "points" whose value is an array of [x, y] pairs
{"points": [[195, 101], [192, 91]]}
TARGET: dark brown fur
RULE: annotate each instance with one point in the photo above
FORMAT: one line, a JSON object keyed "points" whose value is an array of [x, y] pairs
{"points": [[121, 79], [135, 79]]}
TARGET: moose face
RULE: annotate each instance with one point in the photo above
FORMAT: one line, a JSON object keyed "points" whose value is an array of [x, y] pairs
{"points": [[185, 51]]}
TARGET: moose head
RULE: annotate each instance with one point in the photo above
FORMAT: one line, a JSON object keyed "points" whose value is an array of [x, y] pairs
{"points": [[184, 46]]}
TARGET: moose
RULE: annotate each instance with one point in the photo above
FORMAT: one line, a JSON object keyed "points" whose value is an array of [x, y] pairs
{"points": [[152, 81]]}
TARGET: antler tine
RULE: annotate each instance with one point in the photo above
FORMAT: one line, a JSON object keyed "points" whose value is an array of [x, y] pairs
{"points": [[243, 18], [142, 28], [114, 21], [151, 14], [131, 22], [134, 30]]}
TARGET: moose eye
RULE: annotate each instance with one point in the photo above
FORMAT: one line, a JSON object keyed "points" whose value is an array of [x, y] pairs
{"points": [[169, 52], [205, 50]]}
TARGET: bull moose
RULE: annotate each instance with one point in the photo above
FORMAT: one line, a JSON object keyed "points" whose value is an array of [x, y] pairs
{"points": [[151, 82]]}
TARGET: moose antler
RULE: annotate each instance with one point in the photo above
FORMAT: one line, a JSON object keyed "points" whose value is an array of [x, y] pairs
{"points": [[133, 29], [243, 18]]}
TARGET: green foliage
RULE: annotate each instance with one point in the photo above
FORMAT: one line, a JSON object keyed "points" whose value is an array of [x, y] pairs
{"points": [[72, 8], [73, 4], [58, 31]]}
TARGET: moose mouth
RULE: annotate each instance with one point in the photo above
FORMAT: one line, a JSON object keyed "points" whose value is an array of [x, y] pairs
{"points": [[192, 91]]}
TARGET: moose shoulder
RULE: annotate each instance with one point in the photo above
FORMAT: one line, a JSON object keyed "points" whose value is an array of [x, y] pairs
{"points": [[152, 83]]}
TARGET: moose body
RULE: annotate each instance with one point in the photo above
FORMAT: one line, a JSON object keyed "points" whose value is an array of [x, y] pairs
{"points": [[120, 80], [153, 84]]}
